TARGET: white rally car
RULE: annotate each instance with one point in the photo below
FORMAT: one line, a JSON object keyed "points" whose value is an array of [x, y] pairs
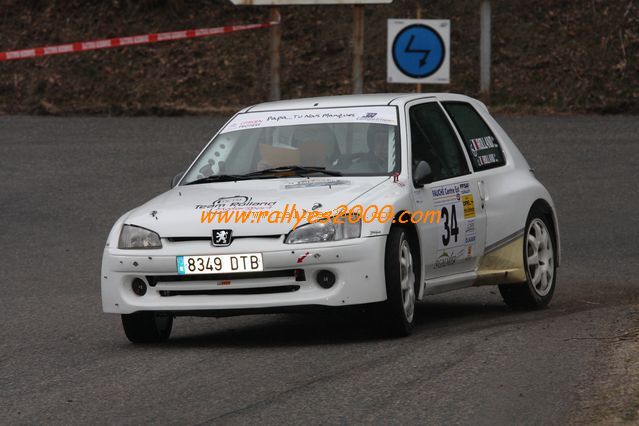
{"points": [[401, 157]]}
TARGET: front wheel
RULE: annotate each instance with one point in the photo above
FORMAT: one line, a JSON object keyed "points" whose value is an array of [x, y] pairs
{"points": [[539, 263], [147, 327], [400, 283]]}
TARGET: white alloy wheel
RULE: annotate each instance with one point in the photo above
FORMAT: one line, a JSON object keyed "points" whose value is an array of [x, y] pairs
{"points": [[539, 257], [407, 279]]}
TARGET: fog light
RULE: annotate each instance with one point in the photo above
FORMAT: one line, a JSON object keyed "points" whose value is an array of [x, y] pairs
{"points": [[139, 287], [300, 275], [325, 278]]}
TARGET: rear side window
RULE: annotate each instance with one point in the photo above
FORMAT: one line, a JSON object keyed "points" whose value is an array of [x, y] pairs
{"points": [[479, 140]]}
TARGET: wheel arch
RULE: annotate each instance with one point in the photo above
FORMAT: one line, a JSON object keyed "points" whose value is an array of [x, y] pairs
{"points": [[414, 240], [545, 208]]}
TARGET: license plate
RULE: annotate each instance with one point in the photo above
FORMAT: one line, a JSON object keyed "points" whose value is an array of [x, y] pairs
{"points": [[219, 264]]}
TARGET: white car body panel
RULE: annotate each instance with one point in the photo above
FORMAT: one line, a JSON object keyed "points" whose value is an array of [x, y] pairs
{"points": [[503, 197], [178, 211]]}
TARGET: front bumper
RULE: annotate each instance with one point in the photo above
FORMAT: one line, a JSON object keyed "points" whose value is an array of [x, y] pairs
{"points": [[358, 265]]}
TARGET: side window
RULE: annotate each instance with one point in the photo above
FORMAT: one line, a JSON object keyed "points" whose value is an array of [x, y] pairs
{"points": [[482, 146], [434, 141]]}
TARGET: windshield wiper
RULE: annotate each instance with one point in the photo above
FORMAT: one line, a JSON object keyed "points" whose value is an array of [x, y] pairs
{"points": [[267, 173], [295, 170], [216, 178]]}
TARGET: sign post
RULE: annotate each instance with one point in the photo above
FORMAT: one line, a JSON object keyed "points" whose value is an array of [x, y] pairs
{"points": [[358, 49], [418, 51], [276, 36], [484, 49], [418, 15], [276, 58]]}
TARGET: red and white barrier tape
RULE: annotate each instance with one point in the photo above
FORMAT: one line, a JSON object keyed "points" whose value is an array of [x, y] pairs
{"points": [[128, 41]]}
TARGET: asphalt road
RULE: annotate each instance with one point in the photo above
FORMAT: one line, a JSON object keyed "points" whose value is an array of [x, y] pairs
{"points": [[471, 360]]}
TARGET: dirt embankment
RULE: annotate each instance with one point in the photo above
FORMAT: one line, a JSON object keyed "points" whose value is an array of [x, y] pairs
{"points": [[551, 55]]}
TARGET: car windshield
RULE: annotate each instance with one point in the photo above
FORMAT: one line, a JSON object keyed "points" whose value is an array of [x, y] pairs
{"points": [[361, 141]]}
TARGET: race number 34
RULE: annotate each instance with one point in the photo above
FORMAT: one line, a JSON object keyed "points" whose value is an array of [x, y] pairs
{"points": [[451, 229]]}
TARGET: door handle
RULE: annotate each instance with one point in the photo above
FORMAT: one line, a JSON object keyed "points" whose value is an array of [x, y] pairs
{"points": [[482, 190]]}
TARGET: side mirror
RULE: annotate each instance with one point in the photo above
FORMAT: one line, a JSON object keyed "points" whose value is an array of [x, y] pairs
{"points": [[422, 174], [176, 179]]}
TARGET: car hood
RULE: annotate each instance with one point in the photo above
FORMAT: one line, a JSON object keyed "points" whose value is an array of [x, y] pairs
{"points": [[179, 212]]}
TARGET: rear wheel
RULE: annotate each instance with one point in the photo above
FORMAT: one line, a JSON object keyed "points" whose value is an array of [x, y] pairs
{"points": [[400, 283], [539, 263], [147, 327]]}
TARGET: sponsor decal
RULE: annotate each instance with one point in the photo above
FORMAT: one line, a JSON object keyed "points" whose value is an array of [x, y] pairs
{"points": [[457, 225], [306, 183], [469, 234], [247, 124], [373, 117], [447, 258], [464, 188], [252, 120], [469, 206], [470, 227], [447, 193], [444, 260]]}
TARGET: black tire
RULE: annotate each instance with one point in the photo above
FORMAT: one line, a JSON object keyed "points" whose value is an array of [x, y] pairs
{"points": [[147, 327], [397, 322], [529, 294]]}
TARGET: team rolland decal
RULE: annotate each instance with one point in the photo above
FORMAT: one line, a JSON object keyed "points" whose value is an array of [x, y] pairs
{"points": [[479, 145], [456, 241], [236, 202]]}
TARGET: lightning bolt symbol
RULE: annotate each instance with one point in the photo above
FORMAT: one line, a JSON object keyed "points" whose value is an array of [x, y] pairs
{"points": [[409, 49]]}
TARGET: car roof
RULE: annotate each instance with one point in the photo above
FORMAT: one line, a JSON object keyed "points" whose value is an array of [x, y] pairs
{"points": [[350, 101]]}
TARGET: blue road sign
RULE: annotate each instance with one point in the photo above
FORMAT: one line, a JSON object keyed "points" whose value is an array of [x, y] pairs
{"points": [[418, 51]]}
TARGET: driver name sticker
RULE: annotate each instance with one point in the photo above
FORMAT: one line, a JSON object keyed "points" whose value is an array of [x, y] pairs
{"points": [[484, 150]]}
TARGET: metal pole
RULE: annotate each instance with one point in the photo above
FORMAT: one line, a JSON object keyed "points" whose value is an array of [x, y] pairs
{"points": [[484, 49], [358, 49], [276, 41]]}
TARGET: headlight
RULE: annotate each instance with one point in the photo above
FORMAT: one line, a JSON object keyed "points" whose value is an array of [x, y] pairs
{"points": [[329, 231], [134, 237]]}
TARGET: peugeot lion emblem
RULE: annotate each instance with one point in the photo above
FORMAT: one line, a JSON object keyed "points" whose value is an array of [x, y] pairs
{"points": [[221, 237]]}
